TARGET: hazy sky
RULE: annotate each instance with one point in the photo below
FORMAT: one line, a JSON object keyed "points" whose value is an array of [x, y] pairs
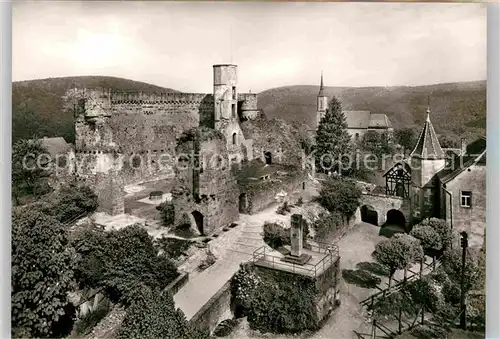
{"points": [[274, 44]]}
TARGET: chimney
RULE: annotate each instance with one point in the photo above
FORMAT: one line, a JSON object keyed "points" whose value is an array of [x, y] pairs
{"points": [[463, 146]]}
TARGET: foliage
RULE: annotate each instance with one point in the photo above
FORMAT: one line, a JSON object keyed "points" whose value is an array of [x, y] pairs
{"points": [[339, 195], [376, 145], [447, 142], [243, 284], [172, 247], [276, 235], [332, 139], [153, 315], [90, 320], [326, 224], [398, 253], [42, 273], [423, 293], [284, 208], [122, 261], [451, 264], [428, 236], [442, 228], [406, 137], [300, 202], [275, 302], [29, 168], [167, 213], [74, 201], [225, 327]]}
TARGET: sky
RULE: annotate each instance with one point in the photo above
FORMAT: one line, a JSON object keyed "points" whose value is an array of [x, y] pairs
{"points": [[175, 44]]}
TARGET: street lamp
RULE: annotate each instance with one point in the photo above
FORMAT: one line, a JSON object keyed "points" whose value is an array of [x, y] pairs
{"points": [[464, 243]]}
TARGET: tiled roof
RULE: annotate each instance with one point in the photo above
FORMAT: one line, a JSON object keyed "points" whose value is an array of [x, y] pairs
{"points": [[428, 146], [476, 154], [379, 121], [357, 119], [56, 145]]}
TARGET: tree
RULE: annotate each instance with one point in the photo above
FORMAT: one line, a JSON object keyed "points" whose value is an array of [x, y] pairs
{"points": [[122, 262], [332, 139], [339, 195], [398, 253], [406, 137], [74, 201], [430, 240], [29, 167], [153, 315], [167, 213], [442, 228], [447, 142], [395, 304], [42, 273]]}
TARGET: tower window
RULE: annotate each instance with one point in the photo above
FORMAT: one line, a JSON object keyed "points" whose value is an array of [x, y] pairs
{"points": [[233, 106], [234, 138], [234, 93], [465, 199]]}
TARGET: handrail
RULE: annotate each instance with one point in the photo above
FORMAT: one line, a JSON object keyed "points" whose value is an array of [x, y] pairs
{"points": [[331, 251]]}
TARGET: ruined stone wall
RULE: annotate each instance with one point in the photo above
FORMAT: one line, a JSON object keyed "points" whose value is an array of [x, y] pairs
{"points": [[328, 289], [473, 219], [274, 136], [265, 196]]}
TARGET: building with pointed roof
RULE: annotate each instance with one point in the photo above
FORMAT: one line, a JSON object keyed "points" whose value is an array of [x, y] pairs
{"points": [[358, 122], [443, 183]]}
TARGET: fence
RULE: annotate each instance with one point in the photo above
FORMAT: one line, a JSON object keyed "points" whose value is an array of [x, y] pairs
{"points": [[264, 256]]}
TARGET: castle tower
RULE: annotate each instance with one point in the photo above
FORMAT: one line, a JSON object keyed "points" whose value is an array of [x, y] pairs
{"points": [[225, 94], [321, 103], [427, 159]]}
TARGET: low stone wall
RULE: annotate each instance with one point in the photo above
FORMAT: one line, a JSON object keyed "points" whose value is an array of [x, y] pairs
{"points": [[217, 309], [178, 283]]}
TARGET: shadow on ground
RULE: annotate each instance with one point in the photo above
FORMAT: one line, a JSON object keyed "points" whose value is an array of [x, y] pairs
{"points": [[373, 267], [360, 278]]}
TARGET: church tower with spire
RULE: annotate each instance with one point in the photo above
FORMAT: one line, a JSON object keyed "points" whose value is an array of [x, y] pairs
{"points": [[427, 159], [321, 103]]}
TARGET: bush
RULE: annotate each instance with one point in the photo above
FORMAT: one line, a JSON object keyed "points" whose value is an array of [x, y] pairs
{"points": [[122, 262], [275, 302], [300, 202], [167, 213], [74, 201], [173, 248], [339, 195], [329, 224], [153, 315], [275, 235], [225, 327]]}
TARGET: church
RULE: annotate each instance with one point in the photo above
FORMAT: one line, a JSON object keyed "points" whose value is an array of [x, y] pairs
{"points": [[444, 183], [358, 122]]}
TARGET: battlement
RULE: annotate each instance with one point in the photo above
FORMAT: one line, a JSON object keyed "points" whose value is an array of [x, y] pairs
{"points": [[160, 98]]}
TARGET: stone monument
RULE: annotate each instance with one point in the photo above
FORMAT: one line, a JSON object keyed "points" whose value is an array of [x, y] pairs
{"points": [[296, 255]]}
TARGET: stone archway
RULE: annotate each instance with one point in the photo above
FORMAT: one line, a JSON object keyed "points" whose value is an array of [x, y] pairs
{"points": [[396, 220], [268, 158], [243, 203], [369, 215], [198, 219]]}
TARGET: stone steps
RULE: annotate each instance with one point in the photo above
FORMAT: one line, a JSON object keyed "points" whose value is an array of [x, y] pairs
{"points": [[245, 248]]}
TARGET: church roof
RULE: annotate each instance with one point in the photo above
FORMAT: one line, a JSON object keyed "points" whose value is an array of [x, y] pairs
{"points": [[428, 146], [379, 121], [357, 119]]}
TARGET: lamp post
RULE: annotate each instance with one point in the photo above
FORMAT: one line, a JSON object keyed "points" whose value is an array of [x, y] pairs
{"points": [[464, 244]]}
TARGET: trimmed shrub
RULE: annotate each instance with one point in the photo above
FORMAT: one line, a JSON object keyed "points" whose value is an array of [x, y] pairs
{"points": [[167, 213]]}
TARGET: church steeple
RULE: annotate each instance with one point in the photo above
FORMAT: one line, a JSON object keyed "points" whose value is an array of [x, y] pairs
{"points": [[321, 103], [321, 87]]}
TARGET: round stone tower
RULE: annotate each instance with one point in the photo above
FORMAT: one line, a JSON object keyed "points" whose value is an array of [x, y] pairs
{"points": [[225, 93]]}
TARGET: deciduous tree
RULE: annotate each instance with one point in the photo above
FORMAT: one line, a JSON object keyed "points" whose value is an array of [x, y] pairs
{"points": [[42, 272], [398, 253]]}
